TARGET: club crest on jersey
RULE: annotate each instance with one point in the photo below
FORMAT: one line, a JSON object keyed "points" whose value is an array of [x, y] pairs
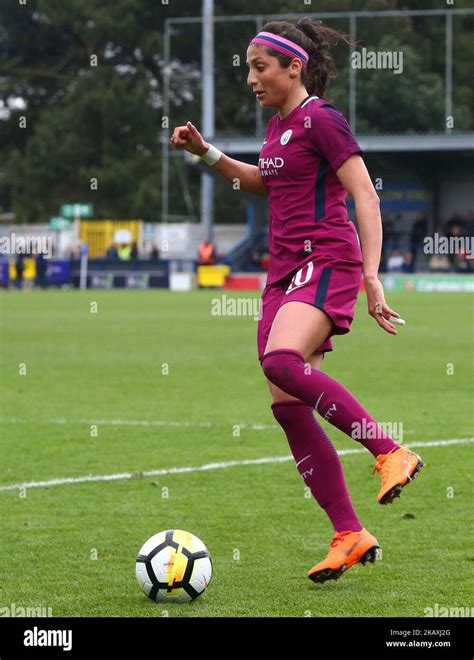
{"points": [[285, 138]]}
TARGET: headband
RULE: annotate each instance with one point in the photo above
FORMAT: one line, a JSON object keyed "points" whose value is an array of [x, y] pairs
{"points": [[282, 45]]}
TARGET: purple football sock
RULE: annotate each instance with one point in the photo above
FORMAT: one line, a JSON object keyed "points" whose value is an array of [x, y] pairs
{"points": [[286, 369], [317, 462]]}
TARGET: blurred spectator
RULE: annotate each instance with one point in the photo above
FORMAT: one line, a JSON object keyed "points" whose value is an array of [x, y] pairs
{"points": [[20, 267], [207, 253], [463, 263], [112, 253], [265, 260], [455, 230], [408, 265], [260, 260], [124, 252], [418, 234], [154, 253], [455, 219], [40, 270], [395, 262], [134, 255], [75, 251], [439, 263]]}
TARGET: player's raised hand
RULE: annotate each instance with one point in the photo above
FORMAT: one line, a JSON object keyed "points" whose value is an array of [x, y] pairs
{"points": [[190, 139], [377, 306]]}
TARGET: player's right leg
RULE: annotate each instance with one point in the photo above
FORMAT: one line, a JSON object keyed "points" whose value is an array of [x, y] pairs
{"points": [[347, 549], [320, 467], [315, 456]]}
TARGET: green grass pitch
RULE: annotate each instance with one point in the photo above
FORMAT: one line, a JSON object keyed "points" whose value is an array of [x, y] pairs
{"points": [[167, 384]]}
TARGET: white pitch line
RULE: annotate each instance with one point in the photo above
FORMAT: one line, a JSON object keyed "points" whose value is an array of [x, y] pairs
{"points": [[146, 422], [208, 466], [138, 422]]}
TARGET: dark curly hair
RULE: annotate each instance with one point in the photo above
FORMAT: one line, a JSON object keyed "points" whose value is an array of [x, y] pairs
{"points": [[314, 37]]}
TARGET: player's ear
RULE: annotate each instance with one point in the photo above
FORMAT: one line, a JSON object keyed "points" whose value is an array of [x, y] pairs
{"points": [[295, 68]]}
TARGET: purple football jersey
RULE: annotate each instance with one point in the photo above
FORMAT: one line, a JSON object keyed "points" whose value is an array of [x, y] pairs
{"points": [[308, 213]]}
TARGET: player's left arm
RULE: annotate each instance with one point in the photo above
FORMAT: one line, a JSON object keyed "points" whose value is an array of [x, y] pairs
{"points": [[355, 178]]}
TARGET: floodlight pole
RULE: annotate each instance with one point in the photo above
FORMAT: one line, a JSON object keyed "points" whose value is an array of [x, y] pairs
{"points": [[165, 132], [207, 119], [448, 102]]}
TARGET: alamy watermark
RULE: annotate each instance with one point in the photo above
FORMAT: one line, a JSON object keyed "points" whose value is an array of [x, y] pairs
{"points": [[40, 637], [371, 430], [437, 244], [229, 306], [13, 610], [380, 59], [442, 611], [27, 245]]}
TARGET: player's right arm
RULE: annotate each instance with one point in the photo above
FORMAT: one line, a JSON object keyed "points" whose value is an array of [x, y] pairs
{"points": [[188, 138]]}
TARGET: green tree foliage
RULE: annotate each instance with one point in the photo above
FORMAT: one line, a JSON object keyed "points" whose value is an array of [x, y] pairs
{"points": [[104, 122], [90, 75]]}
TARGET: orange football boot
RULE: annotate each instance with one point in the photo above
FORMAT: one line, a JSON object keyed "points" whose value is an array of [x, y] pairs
{"points": [[397, 469], [347, 548]]}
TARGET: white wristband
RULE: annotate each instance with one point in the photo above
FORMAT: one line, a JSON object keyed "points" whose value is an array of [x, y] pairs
{"points": [[211, 156]]}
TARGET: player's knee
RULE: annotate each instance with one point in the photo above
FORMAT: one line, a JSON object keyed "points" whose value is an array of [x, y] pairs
{"points": [[288, 412], [281, 367], [278, 395], [272, 365]]}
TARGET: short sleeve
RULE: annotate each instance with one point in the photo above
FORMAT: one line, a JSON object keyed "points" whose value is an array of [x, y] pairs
{"points": [[331, 135]]}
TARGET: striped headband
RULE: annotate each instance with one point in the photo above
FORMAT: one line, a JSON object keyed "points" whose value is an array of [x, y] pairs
{"points": [[282, 45]]}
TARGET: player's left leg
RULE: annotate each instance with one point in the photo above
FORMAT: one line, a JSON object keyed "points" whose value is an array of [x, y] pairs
{"points": [[297, 329], [397, 469]]}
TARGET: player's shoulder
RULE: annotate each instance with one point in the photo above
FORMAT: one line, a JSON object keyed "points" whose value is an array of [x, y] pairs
{"points": [[316, 106]]}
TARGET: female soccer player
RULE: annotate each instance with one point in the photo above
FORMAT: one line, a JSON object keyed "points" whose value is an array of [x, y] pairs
{"points": [[308, 162]]}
